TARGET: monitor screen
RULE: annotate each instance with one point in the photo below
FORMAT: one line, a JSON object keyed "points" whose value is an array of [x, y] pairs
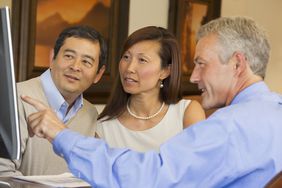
{"points": [[9, 123]]}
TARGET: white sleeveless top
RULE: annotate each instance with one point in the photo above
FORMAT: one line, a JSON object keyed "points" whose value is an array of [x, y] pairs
{"points": [[117, 135]]}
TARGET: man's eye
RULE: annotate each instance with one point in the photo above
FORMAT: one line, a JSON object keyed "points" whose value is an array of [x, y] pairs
{"points": [[68, 56], [87, 63], [142, 60], [200, 64]]}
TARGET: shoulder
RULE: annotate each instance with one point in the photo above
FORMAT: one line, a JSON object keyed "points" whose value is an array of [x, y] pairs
{"points": [[89, 107], [29, 82], [193, 113], [103, 122], [182, 104], [29, 86], [242, 116], [192, 106], [32, 88], [185, 103], [106, 126]]}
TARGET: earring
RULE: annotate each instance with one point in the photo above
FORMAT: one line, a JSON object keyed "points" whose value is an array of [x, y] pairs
{"points": [[161, 85]]}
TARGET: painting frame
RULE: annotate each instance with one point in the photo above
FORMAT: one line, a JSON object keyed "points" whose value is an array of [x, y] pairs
{"points": [[24, 33], [178, 11]]}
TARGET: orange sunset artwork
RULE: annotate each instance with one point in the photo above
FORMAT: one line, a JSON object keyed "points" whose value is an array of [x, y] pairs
{"points": [[52, 16]]}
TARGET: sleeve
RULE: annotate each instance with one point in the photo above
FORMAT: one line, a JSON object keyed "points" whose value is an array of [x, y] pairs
{"points": [[204, 162], [11, 167]]}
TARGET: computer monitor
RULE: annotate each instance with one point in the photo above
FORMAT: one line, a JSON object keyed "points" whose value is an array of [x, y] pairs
{"points": [[9, 122]]}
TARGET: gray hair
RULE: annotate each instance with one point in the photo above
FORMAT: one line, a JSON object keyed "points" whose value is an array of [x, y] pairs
{"points": [[240, 34]]}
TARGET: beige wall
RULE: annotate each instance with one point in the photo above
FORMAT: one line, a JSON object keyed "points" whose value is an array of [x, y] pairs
{"points": [[147, 12], [5, 3]]}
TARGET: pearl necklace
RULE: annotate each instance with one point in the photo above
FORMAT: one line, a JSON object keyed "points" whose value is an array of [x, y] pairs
{"points": [[144, 118]]}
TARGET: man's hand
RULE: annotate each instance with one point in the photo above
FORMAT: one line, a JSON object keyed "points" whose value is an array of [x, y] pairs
{"points": [[43, 123]]}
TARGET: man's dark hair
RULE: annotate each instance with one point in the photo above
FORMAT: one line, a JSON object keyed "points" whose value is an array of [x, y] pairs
{"points": [[84, 32]]}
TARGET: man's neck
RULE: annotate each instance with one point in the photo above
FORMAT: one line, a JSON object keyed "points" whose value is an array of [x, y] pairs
{"points": [[70, 100], [241, 85]]}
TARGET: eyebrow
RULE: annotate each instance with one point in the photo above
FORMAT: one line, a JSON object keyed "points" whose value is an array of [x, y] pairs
{"points": [[148, 57], [138, 53], [85, 56], [70, 50], [90, 57]]}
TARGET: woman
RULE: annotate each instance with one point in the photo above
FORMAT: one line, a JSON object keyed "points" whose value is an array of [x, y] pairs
{"points": [[144, 109]]}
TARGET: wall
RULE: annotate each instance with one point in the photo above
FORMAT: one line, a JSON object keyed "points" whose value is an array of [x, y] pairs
{"points": [[5, 3], [147, 12]]}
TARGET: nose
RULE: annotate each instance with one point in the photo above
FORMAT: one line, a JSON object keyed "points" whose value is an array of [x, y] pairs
{"points": [[131, 67], [195, 76], [76, 65]]}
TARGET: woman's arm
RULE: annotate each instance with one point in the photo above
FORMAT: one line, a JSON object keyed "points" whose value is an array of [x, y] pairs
{"points": [[193, 114]]}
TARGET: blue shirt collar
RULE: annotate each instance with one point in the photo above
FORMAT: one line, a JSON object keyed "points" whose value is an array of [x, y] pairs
{"points": [[56, 100], [250, 92]]}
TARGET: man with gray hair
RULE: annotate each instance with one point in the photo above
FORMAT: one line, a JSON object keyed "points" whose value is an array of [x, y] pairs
{"points": [[237, 146]]}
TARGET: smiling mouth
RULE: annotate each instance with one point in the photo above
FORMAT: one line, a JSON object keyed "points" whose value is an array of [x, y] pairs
{"points": [[203, 90], [71, 77], [129, 80]]}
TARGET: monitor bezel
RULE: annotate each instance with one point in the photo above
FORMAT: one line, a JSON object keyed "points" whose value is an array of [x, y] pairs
{"points": [[12, 137]]}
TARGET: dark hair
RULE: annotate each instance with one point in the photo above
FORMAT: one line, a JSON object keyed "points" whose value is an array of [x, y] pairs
{"points": [[170, 56], [84, 32]]}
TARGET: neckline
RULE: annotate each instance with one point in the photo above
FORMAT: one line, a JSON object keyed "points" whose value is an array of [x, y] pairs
{"points": [[146, 130], [143, 117]]}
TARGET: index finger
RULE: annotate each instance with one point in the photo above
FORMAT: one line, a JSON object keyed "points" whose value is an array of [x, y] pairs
{"points": [[38, 105]]}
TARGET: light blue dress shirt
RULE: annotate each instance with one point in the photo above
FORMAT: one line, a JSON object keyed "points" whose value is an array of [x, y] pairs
{"points": [[57, 101], [238, 146]]}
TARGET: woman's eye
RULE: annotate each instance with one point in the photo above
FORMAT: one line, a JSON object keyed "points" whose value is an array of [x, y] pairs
{"points": [[125, 57]]}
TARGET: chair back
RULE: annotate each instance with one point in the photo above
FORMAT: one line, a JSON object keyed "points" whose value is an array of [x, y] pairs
{"points": [[275, 182]]}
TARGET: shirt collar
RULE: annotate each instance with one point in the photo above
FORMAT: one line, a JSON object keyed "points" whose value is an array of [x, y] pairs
{"points": [[250, 92], [54, 97]]}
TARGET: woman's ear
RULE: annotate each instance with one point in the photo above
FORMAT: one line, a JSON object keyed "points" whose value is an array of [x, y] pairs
{"points": [[165, 72]]}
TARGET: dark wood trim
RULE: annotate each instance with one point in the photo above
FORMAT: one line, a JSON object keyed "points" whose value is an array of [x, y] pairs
{"points": [[176, 19]]}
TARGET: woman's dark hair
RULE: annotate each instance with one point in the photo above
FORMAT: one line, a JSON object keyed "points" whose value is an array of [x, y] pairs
{"points": [[170, 56], [84, 32]]}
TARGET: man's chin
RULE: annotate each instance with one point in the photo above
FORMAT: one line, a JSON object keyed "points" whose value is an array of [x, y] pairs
{"points": [[209, 104], [71, 91]]}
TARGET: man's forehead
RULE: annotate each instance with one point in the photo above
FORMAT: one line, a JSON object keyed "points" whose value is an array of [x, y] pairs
{"points": [[207, 45], [208, 40]]}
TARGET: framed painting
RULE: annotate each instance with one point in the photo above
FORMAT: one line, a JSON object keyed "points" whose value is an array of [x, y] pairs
{"points": [[37, 23], [185, 18]]}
